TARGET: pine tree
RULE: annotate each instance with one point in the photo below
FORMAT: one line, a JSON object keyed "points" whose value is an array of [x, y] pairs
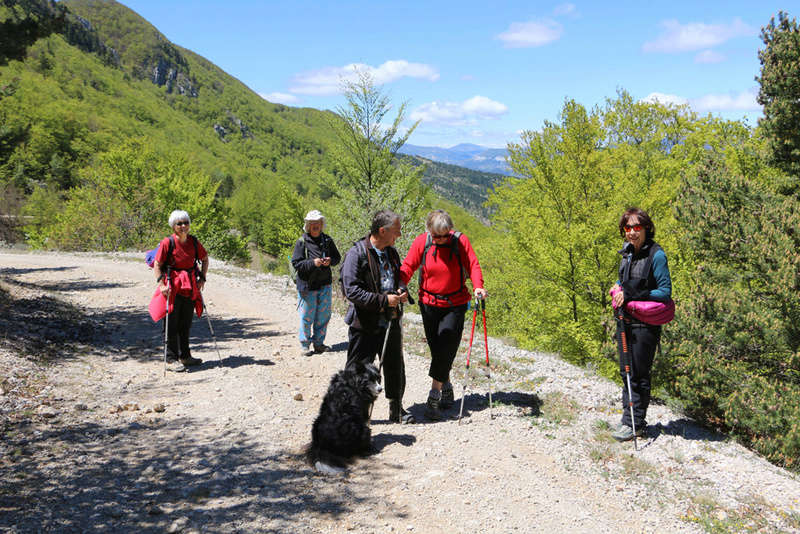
{"points": [[780, 92]]}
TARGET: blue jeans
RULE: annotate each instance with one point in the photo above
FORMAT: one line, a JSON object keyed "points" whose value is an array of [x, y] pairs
{"points": [[315, 312]]}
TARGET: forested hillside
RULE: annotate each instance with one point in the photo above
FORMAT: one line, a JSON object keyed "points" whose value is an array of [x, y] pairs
{"points": [[78, 117]]}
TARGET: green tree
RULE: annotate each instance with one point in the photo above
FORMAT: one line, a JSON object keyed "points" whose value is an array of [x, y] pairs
{"points": [[780, 92], [736, 339], [558, 220], [369, 175]]}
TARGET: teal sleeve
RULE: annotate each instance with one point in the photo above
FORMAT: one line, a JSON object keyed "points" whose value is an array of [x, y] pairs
{"points": [[663, 291]]}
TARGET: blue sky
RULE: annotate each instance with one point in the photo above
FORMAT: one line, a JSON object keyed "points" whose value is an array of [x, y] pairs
{"points": [[476, 72]]}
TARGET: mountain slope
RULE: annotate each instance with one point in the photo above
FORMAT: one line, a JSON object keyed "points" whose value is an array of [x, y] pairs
{"points": [[101, 76]]}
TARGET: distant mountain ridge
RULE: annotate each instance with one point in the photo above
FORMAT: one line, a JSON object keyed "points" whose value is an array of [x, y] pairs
{"points": [[476, 157]]}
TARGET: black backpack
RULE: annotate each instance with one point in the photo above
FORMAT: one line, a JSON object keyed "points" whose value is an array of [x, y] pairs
{"points": [[454, 249]]}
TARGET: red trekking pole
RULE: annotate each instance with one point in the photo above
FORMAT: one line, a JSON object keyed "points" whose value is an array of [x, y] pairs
{"points": [[469, 351], [488, 372]]}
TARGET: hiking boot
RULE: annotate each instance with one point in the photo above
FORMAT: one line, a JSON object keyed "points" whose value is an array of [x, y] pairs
{"points": [[625, 433], [319, 349], [306, 351], [448, 399], [433, 408], [191, 362], [398, 415], [175, 366]]}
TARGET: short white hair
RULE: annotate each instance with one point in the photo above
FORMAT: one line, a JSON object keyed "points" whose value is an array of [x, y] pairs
{"points": [[178, 215], [439, 222]]}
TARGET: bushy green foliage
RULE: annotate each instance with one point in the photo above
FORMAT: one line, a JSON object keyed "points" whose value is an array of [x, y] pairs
{"points": [[124, 203], [780, 92], [556, 258], [738, 333]]}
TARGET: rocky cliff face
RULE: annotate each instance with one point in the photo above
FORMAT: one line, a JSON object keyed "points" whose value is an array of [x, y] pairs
{"points": [[164, 73], [167, 67]]}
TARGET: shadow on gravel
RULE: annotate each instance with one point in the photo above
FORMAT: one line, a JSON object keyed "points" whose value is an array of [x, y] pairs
{"points": [[383, 440], [476, 402], [232, 362], [686, 429], [48, 329], [143, 477], [14, 271]]}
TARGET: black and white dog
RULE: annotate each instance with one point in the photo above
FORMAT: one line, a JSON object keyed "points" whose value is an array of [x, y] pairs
{"points": [[341, 430]]}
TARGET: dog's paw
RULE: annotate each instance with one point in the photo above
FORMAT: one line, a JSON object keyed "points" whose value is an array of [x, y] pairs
{"points": [[331, 470]]}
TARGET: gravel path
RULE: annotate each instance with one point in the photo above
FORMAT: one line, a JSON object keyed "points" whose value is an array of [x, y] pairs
{"points": [[97, 439]]}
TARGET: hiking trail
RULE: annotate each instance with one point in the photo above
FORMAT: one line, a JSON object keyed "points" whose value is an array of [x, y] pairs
{"points": [[98, 439]]}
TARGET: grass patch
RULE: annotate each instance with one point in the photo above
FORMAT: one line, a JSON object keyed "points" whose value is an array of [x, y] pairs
{"points": [[602, 431], [634, 466], [755, 515], [559, 408]]}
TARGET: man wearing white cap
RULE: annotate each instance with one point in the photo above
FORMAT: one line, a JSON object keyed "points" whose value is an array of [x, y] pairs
{"points": [[314, 254]]}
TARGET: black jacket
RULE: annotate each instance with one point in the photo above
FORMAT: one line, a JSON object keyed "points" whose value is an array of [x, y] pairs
{"points": [[309, 276], [361, 285]]}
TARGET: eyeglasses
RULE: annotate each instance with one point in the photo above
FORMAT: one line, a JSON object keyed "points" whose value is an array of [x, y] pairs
{"points": [[633, 228], [182, 223], [434, 236]]}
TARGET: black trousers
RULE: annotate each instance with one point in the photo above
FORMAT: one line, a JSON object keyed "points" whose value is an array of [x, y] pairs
{"points": [[443, 329], [642, 343], [180, 323], [365, 345]]}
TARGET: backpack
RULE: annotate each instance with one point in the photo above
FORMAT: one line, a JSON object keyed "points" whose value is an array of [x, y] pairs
{"points": [[454, 249], [292, 270], [150, 255], [361, 249]]}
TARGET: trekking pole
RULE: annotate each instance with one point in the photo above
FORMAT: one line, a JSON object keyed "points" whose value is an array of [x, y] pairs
{"points": [[486, 345], [626, 361], [166, 325], [380, 360], [469, 351], [214, 337]]}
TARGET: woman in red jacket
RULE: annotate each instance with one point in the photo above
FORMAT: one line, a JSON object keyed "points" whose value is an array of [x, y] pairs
{"points": [[181, 282], [445, 260]]}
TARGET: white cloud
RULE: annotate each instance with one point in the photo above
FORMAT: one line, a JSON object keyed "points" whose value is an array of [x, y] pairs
{"points": [[328, 80], [709, 56], [459, 113], [530, 34], [280, 98], [742, 101], [677, 37], [662, 98], [565, 9]]}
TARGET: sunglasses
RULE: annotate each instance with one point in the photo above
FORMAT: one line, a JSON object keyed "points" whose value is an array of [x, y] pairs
{"points": [[633, 228], [182, 223], [434, 236]]}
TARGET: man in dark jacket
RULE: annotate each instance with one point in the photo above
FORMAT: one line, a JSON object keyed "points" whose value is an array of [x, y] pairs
{"points": [[314, 254], [371, 281]]}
